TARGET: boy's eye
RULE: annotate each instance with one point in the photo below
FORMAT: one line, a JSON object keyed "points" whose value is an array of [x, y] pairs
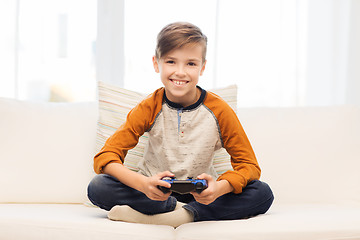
{"points": [[170, 61], [192, 64]]}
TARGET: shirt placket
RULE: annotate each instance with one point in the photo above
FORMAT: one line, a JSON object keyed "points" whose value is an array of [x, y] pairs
{"points": [[180, 113]]}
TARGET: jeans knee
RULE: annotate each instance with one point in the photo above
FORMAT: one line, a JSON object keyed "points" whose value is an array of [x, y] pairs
{"points": [[261, 187], [267, 191], [265, 196], [96, 183], [97, 187]]}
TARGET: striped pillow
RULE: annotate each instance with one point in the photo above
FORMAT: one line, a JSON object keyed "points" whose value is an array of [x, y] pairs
{"points": [[116, 102]]}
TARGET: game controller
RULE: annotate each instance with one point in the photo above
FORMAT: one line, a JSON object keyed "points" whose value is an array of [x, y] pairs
{"points": [[184, 186]]}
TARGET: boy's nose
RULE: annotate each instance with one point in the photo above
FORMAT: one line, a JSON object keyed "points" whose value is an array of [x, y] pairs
{"points": [[180, 71]]}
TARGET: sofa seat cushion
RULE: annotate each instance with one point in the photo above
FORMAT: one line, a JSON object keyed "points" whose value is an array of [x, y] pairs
{"points": [[283, 222], [71, 221]]}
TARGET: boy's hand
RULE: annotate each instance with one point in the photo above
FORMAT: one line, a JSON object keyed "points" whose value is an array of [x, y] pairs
{"points": [[214, 190], [151, 190]]}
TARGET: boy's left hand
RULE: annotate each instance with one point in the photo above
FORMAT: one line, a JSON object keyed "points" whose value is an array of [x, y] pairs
{"points": [[214, 190]]}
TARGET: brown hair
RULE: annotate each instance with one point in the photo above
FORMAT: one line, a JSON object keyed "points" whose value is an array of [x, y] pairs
{"points": [[177, 35]]}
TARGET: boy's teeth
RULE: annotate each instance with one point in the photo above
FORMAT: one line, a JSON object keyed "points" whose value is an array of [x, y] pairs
{"points": [[179, 82]]}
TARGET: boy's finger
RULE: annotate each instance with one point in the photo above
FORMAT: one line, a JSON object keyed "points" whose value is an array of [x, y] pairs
{"points": [[165, 174], [205, 176], [163, 184], [201, 176]]}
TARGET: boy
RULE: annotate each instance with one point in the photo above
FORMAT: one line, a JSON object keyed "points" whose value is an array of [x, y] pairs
{"points": [[186, 124]]}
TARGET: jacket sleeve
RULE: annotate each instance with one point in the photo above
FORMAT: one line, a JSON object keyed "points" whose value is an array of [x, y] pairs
{"points": [[126, 137], [236, 143]]}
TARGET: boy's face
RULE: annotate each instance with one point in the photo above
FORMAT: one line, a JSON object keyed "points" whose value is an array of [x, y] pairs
{"points": [[179, 71]]}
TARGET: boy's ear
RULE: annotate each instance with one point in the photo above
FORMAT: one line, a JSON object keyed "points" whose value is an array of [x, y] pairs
{"points": [[203, 68], [156, 64]]}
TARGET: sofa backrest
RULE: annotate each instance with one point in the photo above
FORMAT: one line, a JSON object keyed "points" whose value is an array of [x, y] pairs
{"points": [[309, 154], [46, 151]]}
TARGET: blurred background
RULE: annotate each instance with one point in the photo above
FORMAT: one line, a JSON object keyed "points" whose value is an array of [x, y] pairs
{"points": [[280, 53]]}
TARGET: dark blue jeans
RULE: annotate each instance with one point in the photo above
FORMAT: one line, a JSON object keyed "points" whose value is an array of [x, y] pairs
{"points": [[106, 191]]}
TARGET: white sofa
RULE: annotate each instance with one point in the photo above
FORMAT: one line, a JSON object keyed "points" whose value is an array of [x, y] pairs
{"points": [[309, 156]]}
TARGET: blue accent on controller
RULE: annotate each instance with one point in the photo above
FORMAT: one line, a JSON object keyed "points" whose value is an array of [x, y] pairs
{"points": [[184, 186]]}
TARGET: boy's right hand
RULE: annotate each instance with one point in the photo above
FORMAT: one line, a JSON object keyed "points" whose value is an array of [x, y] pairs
{"points": [[150, 187]]}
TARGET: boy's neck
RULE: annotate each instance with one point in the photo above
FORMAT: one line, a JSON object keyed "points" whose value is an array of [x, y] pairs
{"points": [[200, 96]]}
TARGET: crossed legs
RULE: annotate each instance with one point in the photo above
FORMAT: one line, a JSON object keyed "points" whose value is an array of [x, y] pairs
{"points": [[128, 204]]}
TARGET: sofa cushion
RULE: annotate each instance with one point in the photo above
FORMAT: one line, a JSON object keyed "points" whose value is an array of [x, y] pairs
{"points": [[307, 154], [116, 102], [46, 151], [71, 221], [283, 222]]}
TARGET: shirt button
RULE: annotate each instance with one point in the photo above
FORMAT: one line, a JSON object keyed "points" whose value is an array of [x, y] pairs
{"points": [[181, 134]]}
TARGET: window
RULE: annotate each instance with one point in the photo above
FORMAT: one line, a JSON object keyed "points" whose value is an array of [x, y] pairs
{"points": [[278, 52], [49, 50], [251, 43]]}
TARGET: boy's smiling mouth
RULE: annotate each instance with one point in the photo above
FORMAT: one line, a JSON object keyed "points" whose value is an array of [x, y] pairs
{"points": [[179, 82]]}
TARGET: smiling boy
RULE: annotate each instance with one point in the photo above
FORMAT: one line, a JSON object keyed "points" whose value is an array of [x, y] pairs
{"points": [[186, 125]]}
